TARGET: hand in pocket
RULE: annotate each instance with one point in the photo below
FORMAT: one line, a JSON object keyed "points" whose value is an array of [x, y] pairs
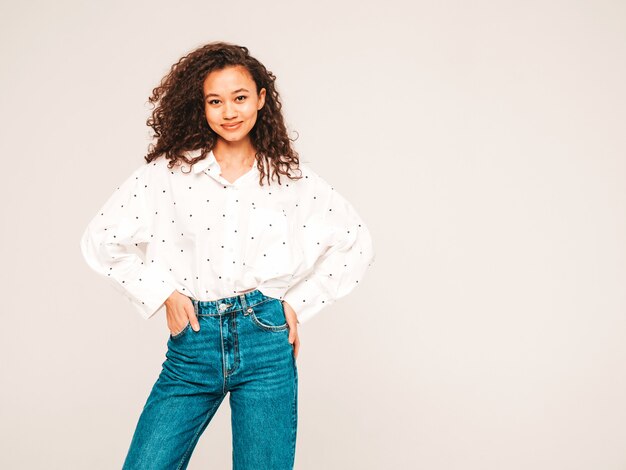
{"points": [[292, 321], [180, 312]]}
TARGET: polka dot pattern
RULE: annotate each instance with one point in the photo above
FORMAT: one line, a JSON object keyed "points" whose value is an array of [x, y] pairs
{"points": [[191, 230]]}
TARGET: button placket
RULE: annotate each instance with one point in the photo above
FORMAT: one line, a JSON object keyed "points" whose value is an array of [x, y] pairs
{"points": [[231, 224]]}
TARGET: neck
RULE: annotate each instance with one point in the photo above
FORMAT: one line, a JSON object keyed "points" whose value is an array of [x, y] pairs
{"points": [[234, 156]]}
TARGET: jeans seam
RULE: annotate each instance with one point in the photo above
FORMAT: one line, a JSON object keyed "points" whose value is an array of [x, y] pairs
{"points": [[235, 344], [265, 327], [294, 414], [197, 434], [272, 328], [223, 357]]}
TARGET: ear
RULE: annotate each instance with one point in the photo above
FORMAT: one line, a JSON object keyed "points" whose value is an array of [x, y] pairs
{"points": [[261, 98]]}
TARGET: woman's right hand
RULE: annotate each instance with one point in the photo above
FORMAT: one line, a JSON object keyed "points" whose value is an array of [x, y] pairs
{"points": [[180, 311]]}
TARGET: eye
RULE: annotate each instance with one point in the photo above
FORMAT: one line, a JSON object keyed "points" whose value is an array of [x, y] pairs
{"points": [[211, 101], [242, 96]]}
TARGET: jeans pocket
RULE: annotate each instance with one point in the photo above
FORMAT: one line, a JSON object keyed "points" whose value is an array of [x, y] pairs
{"points": [[269, 316], [182, 332]]}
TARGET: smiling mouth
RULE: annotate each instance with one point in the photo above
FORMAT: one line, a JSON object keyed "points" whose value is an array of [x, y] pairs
{"points": [[231, 126]]}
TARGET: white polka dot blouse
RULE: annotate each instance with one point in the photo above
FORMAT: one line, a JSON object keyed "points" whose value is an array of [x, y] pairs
{"points": [[193, 231]]}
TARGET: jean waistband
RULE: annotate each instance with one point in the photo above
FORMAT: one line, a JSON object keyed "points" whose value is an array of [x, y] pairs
{"points": [[231, 304]]}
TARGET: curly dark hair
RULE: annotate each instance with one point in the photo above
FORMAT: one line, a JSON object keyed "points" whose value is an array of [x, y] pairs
{"points": [[179, 121]]}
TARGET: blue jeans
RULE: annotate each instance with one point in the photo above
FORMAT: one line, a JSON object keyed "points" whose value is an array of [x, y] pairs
{"points": [[242, 347]]}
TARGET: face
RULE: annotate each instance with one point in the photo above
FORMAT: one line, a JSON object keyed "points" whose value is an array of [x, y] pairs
{"points": [[230, 97]]}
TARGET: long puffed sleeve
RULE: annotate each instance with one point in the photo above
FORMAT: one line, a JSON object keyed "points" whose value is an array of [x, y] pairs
{"points": [[110, 244], [338, 247]]}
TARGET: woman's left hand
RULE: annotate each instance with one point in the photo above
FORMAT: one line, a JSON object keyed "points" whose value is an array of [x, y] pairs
{"points": [[292, 321]]}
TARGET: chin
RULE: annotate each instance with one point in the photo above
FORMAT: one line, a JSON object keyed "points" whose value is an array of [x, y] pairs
{"points": [[233, 138]]}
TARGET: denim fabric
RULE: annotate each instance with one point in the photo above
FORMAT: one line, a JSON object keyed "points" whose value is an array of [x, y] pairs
{"points": [[242, 348]]}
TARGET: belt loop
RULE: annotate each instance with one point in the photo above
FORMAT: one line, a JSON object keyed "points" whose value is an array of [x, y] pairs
{"points": [[195, 305], [242, 299]]}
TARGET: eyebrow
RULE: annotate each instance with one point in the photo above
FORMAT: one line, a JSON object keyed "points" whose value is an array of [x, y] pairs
{"points": [[236, 91]]}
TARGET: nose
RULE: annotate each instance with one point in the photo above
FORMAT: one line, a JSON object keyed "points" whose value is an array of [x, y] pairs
{"points": [[229, 111]]}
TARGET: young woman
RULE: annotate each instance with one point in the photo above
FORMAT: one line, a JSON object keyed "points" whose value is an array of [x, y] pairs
{"points": [[239, 242]]}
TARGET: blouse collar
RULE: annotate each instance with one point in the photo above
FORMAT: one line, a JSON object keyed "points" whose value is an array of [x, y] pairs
{"points": [[203, 164], [211, 166]]}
